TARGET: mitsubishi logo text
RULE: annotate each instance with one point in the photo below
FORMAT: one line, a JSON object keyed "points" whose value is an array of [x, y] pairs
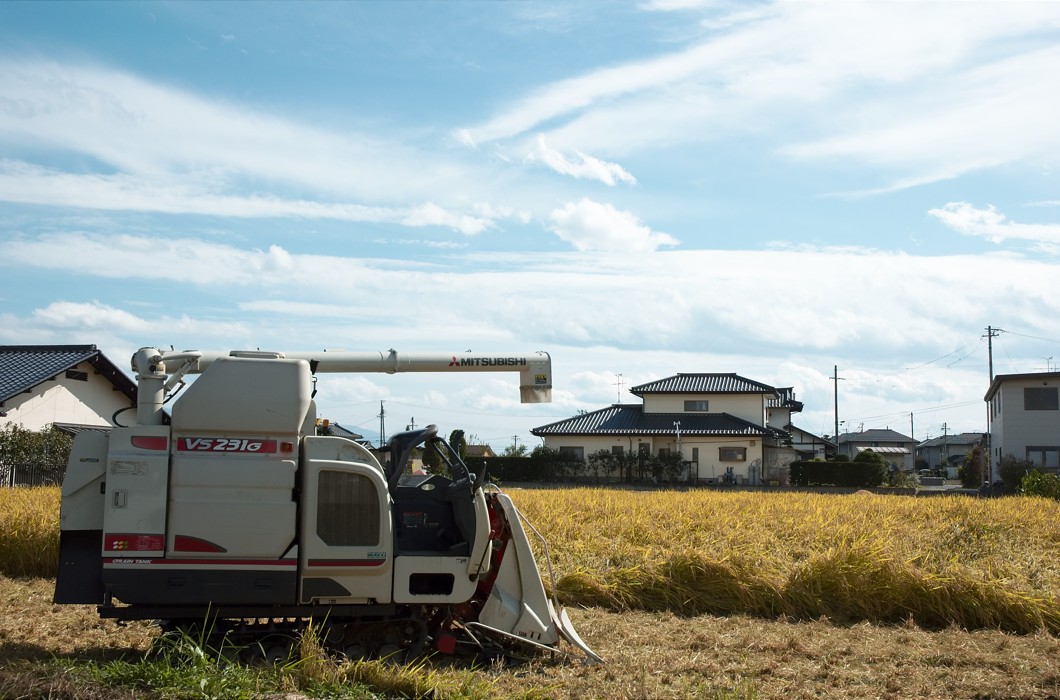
{"points": [[488, 362]]}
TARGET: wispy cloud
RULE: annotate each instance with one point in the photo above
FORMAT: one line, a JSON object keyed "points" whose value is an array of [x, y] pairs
{"points": [[925, 90], [648, 300], [29, 184], [143, 146], [992, 225], [581, 166]]}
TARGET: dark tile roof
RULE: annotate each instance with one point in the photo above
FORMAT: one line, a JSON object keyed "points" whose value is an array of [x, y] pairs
{"points": [[75, 429], [875, 435], [704, 383], [23, 367], [631, 420], [338, 431], [959, 439], [785, 398]]}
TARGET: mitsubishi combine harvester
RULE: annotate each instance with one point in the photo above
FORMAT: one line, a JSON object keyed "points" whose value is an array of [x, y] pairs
{"points": [[234, 518]]}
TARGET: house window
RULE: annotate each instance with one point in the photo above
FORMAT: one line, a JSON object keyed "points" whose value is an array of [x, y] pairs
{"points": [[1040, 398], [572, 453], [697, 405], [732, 454], [617, 450], [1045, 457]]}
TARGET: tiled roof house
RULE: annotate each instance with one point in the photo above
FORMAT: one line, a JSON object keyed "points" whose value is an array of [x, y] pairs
{"points": [[896, 448], [75, 386], [719, 422]]}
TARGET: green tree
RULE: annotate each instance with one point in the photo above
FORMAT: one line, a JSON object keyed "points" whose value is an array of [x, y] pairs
{"points": [[970, 472], [877, 470], [431, 461], [1044, 484], [667, 466], [458, 443], [515, 451], [1012, 471], [46, 449]]}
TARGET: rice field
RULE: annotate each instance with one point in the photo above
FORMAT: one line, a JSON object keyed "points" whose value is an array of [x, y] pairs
{"points": [[29, 531], [975, 563], [703, 594]]}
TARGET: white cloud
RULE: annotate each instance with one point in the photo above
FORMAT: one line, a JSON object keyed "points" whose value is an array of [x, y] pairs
{"points": [[144, 146], [929, 90], [89, 316], [780, 316], [992, 225], [589, 225], [29, 184], [802, 302], [583, 166]]}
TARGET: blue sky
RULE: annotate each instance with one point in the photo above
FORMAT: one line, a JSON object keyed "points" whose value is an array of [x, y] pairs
{"points": [[640, 189]]}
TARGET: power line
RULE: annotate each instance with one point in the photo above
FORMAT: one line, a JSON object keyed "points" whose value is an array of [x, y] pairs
{"points": [[901, 414], [1032, 337]]}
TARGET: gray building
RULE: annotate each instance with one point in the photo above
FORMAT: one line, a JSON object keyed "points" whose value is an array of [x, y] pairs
{"points": [[896, 448], [1025, 419]]}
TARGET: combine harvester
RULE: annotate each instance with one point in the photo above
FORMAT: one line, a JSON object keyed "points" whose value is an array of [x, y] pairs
{"points": [[237, 519]]}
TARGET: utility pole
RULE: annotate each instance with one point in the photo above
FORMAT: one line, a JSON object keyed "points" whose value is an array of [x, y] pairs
{"points": [[382, 425], [991, 333], [515, 444], [912, 436], [835, 380], [618, 389]]}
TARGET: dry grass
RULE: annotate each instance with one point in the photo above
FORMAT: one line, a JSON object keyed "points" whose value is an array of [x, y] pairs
{"points": [[976, 563], [649, 655], [29, 531], [713, 595]]}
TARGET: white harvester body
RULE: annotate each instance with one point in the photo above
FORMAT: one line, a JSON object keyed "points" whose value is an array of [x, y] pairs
{"points": [[237, 509]]}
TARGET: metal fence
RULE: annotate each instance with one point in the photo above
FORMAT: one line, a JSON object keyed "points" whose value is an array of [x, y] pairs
{"points": [[31, 474]]}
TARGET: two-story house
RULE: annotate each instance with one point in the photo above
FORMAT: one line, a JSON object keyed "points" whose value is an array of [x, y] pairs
{"points": [[1025, 419], [720, 424]]}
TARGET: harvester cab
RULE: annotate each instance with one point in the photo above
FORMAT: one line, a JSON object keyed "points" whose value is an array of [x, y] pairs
{"points": [[234, 511]]}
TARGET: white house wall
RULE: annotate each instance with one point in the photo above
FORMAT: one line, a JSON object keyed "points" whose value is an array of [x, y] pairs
{"points": [[750, 407], [597, 443], [64, 400], [779, 417], [710, 466]]}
